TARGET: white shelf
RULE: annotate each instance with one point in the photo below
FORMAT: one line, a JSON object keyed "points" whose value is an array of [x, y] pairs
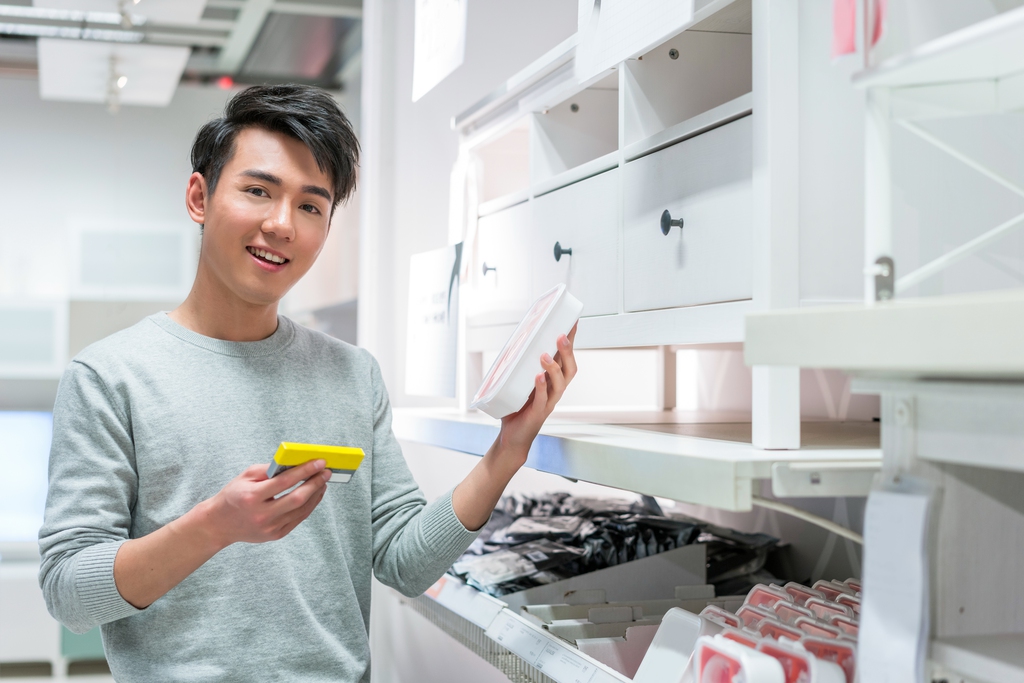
{"points": [[545, 654], [990, 658], [707, 463], [978, 335], [988, 50], [702, 123]]}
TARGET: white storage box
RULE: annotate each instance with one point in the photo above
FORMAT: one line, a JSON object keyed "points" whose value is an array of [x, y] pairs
{"points": [[508, 383]]}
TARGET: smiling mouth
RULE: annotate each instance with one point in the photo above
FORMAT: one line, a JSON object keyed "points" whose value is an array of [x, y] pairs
{"points": [[267, 256]]}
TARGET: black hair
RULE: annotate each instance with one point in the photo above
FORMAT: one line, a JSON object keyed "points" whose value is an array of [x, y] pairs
{"points": [[304, 112]]}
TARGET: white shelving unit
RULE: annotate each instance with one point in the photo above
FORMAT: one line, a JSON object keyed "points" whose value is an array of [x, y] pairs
{"points": [[948, 368], [701, 124]]}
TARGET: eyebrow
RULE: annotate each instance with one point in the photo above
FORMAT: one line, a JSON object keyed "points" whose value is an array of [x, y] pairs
{"points": [[274, 180]]}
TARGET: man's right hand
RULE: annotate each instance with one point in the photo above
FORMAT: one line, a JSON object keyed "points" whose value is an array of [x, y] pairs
{"points": [[249, 509]]}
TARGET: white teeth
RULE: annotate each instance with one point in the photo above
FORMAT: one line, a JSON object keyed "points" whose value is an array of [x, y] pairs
{"points": [[266, 255]]}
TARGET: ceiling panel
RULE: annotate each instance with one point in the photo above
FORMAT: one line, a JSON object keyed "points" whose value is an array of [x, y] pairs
{"points": [[80, 71]]}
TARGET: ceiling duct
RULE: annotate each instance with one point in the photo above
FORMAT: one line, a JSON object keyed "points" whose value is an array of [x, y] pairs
{"points": [[300, 48]]}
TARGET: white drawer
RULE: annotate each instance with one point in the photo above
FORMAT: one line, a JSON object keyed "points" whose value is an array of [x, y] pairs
{"points": [[502, 267], [706, 181], [582, 217]]}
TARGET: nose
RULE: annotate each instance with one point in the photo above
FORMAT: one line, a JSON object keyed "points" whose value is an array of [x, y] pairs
{"points": [[279, 222]]}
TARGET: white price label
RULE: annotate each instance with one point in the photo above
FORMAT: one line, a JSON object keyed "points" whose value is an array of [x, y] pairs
{"points": [[564, 665], [517, 637], [558, 661]]}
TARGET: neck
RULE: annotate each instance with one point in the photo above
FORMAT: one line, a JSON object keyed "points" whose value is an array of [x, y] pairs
{"points": [[212, 310]]}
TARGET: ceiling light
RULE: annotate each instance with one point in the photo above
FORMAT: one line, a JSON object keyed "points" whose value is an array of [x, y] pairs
{"points": [[70, 32], [122, 81]]}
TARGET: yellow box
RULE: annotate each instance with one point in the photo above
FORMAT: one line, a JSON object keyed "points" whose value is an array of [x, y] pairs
{"points": [[343, 461]]}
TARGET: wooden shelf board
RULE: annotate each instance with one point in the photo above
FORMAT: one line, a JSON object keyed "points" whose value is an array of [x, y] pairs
{"points": [[977, 335], [647, 456], [988, 50]]}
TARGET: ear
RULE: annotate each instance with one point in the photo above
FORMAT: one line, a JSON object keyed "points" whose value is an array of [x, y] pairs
{"points": [[196, 197]]}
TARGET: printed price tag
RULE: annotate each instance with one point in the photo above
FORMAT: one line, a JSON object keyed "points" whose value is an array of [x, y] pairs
{"points": [[517, 637], [564, 665], [558, 661]]}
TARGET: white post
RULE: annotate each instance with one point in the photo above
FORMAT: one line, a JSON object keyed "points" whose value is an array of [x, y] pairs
{"points": [[776, 390], [666, 378], [877, 187]]}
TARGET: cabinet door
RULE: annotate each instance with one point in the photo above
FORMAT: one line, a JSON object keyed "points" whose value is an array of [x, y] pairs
{"points": [[706, 181], [582, 217], [502, 267]]}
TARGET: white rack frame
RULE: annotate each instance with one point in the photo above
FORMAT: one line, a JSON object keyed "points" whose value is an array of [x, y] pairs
{"points": [[973, 71]]}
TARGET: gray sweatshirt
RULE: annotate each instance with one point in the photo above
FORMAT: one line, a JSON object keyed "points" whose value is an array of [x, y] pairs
{"points": [[155, 419]]}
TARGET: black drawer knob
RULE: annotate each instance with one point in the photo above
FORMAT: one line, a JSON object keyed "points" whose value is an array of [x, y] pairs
{"points": [[488, 268], [561, 251], [667, 222]]}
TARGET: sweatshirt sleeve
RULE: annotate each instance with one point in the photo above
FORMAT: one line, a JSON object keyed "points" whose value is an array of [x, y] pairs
{"points": [[92, 489], [414, 543]]}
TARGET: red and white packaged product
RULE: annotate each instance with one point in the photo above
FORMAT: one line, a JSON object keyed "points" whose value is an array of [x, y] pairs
{"points": [[752, 616], [817, 629], [840, 652], [848, 626], [741, 636], [719, 660], [832, 590], [721, 616], [773, 628], [850, 601], [801, 594], [788, 612], [855, 584], [822, 609], [801, 666], [766, 596]]}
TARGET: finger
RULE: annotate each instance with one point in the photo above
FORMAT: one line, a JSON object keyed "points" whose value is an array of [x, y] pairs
{"points": [[290, 478], [572, 333], [540, 395], [295, 517], [566, 356], [255, 472], [297, 498], [556, 380]]}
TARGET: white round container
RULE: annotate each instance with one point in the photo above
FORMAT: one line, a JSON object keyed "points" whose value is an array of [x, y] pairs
{"points": [[508, 383]]}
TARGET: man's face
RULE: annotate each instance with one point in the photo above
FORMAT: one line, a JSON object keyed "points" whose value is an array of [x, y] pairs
{"points": [[268, 218]]}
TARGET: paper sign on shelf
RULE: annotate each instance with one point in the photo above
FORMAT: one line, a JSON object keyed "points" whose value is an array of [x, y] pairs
{"points": [[433, 322], [894, 625], [440, 43]]}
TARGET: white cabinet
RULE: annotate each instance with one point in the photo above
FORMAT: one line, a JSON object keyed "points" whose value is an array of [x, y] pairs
{"points": [[503, 266], [706, 182], [709, 124], [583, 218]]}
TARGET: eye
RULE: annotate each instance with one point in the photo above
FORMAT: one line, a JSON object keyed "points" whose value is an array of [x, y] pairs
{"points": [[257, 192], [310, 208]]}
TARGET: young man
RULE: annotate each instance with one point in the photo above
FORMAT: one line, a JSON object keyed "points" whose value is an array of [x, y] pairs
{"points": [[160, 527]]}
